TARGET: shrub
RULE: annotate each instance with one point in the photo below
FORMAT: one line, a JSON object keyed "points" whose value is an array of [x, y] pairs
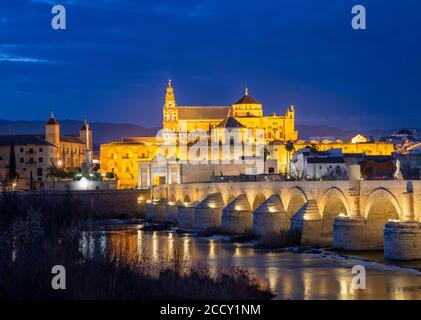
{"points": [[273, 240]]}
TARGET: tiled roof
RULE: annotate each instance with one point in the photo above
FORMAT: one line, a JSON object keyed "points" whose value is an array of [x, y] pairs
{"points": [[84, 127], [24, 139], [326, 160], [230, 122], [197, 113], [71, 139], [246, 99]]}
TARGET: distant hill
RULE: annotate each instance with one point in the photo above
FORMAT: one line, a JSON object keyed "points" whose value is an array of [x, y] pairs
{"points": [[305, 132], [107, 131], [103, 131]]}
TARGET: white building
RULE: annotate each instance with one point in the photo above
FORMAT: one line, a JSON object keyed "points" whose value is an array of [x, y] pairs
{"points": [[318, 165]]}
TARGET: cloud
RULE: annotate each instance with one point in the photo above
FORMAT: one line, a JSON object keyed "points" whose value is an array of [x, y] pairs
{"points": [[6, 56], [53, 2], [11, 58]]}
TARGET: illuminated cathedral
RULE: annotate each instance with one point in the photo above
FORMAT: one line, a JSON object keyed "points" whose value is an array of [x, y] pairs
{"points": [[133, 160]]}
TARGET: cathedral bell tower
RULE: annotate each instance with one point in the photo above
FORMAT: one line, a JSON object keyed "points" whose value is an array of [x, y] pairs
{"points": [[170, 117]]}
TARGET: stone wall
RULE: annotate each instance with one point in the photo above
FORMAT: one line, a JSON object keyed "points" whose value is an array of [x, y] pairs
{"points": [[102, 204]]}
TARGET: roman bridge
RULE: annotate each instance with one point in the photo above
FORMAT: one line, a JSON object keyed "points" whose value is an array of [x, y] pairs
{"points": [[349, 214]]}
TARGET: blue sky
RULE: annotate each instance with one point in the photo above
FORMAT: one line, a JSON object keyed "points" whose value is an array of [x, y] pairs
{"points": [[113, 61]]}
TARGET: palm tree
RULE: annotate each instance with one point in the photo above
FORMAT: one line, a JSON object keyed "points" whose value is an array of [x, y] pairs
{"points": [[54, 171], [289, 146]]}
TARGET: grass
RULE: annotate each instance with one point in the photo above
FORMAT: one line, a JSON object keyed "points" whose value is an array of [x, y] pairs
{"points": [[118, 276], [274, 240], [36, 235]]}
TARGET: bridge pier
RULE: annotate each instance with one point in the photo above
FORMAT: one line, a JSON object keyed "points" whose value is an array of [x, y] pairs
{"points": [[237, 217], [160, 208], [149, 210], [208, 213], [308, 223], [186, 215], [350, 232], [402, 239], [171, 212], [270, 217]]}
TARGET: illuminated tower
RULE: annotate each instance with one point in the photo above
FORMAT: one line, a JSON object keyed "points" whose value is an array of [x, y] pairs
{"points": [[170, 118], [85, 134], [52, 131]]}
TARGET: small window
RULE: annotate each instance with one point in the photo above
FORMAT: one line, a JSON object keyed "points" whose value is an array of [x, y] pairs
{"points": [[40, 160], [22, 160], [271, 170], [21, 149], [40, 149], [39, 172]]}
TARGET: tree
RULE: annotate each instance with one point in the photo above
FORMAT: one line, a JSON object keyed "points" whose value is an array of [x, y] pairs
{"points": [[266, 154], [289, 146], [12, 165], [31, 181], [54, 171]]}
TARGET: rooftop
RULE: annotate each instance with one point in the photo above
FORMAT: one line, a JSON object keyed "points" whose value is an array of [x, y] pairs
{"points": [[325, 160], [24, 139], [192, 113]]}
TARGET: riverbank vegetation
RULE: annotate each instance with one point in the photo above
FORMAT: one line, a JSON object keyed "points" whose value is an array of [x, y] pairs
{"points": [[36, 235]]}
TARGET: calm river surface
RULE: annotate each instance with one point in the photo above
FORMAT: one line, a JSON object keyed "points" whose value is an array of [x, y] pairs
{"points": [[289, 275]]}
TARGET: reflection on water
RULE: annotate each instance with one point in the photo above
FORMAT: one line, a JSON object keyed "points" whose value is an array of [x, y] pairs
{"points": [[289, 275]]}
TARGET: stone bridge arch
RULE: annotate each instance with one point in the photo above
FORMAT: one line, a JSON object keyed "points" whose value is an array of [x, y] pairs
{"points": [[332, 203], [296, 198], [259, 198], [380, 207], [187, 199]]}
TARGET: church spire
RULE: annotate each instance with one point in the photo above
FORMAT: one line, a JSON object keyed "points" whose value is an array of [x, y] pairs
{"points": [[247, 90], [169, 96]]}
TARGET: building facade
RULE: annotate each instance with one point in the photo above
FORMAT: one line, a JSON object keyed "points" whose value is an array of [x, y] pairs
{"points": [[35, 153], [134, 162]]}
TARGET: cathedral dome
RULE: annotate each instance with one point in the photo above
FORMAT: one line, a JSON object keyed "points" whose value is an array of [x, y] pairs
{"points": [[246, 99]]}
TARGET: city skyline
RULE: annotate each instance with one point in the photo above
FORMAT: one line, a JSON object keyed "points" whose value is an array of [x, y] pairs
{"points": [[114, 68]]}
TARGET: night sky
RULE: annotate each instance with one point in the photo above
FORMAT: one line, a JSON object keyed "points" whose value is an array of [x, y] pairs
{"points": [[116, 56]]}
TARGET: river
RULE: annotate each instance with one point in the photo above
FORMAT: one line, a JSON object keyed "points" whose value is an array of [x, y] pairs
{"points": [[290, 275]]}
